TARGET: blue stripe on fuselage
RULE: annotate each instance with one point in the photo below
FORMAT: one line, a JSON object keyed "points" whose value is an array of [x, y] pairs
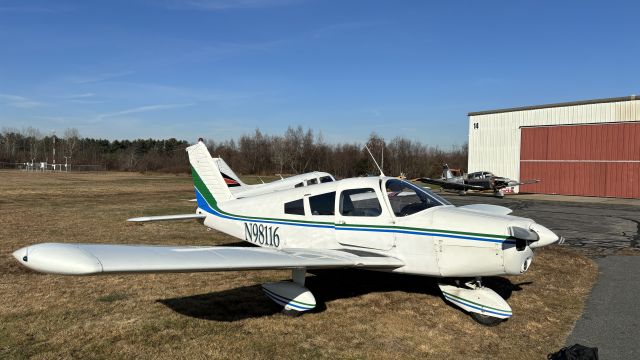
{"points": [[204, 205]]}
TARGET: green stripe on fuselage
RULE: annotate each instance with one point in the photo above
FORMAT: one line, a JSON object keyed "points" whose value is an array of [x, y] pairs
{"points": [[202, 188]]}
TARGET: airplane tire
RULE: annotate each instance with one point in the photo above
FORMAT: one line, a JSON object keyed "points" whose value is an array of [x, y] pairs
{"points": [[486, 320]]}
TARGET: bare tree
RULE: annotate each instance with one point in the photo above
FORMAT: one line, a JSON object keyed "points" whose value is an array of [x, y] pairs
{"points": [[296, 151], [71, 137]]}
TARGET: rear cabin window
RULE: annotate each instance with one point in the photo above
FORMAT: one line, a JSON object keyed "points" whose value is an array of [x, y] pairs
{"points": [[312, 182], [294, 207], [360, 202], [326, 179], [323, 204], [299, 185]]}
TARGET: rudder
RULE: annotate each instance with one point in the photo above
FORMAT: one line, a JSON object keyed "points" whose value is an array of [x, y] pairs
{"points": [[207, 176]]}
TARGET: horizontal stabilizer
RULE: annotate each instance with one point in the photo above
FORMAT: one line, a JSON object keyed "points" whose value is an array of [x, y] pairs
{"points": [[167, 217], [85, 259]]}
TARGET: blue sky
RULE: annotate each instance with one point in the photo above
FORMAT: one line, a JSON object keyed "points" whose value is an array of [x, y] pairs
{"points": [[221, 68]]}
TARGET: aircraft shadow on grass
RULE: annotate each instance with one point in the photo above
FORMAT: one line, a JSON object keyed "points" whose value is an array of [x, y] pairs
{"points": [[326, 285]]}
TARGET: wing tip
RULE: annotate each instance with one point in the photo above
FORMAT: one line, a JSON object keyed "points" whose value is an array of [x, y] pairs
{"points": [[57, 258]]}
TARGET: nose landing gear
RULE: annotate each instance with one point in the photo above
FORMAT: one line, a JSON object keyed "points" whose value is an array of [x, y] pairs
{"points": [[483, 304]]}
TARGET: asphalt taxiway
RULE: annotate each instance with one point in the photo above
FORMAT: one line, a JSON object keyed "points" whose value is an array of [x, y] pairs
{"points": [[595, 226], [602, 229]]}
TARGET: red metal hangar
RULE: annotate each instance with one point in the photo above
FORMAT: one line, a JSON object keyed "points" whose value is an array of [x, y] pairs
{"points": [[588, 148]]}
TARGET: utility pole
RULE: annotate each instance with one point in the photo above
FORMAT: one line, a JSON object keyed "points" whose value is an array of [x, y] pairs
{"points": [[54, 150], [382, 160]]}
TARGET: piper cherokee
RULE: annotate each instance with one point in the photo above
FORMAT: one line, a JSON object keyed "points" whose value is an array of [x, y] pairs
{"points": [[378, 223], [455, 180]]}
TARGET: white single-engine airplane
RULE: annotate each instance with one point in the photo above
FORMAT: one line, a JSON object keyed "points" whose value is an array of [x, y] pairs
{"points": [[377, 223]]}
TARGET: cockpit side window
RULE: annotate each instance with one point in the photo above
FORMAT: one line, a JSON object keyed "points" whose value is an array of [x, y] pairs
{"points": [[360, 202], [326, 179], [407, 199], [323, 204], [312, 182]]}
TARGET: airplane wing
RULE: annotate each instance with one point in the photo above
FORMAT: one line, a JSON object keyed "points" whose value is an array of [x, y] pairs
{"points": [[167, 217], [503, 182], [85, 259], [450, 185], [524, 182]]}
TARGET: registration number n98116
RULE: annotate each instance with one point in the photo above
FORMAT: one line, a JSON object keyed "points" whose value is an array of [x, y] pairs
{"points": [[262, 234]]}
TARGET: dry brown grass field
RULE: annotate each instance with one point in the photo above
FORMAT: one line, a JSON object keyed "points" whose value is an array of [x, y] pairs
{"points": [[225, 315]]}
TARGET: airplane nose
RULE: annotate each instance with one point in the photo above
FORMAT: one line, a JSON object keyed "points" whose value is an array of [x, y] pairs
{"points": [[546, 236]]}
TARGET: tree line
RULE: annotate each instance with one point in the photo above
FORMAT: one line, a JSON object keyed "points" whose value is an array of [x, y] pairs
{"points": [[296, 151]]}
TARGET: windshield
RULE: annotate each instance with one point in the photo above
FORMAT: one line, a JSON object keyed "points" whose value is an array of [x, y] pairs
{"points": [[407, 199]]}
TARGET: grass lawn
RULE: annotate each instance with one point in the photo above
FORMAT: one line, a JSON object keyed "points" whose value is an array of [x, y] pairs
{"points": [[225, 315]]}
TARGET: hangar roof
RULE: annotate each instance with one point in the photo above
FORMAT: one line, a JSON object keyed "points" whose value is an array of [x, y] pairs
{"points": [[571, 103]]}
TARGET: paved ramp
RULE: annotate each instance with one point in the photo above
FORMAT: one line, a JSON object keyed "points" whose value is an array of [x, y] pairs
{"points": [[611, 320]]}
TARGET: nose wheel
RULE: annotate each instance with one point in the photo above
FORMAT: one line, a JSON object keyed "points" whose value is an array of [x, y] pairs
{"points": [[486, 320]]}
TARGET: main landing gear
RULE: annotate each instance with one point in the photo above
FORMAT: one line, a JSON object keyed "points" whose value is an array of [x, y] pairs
{"points": [[483, 304], [292, 295]]}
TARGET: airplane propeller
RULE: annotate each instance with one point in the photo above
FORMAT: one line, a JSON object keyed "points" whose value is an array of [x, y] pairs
{"points": [[535, 236], [523, 236]]}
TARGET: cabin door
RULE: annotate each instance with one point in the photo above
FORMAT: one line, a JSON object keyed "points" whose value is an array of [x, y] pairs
{"points": [[360, 218]]}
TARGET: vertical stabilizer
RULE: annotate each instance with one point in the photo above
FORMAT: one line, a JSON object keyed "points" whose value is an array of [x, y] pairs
{"points": [[206, 174], [446, 173], [230, 178]]}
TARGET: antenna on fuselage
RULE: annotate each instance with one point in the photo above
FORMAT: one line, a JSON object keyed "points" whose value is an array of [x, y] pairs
{"points": [[374, 160]]}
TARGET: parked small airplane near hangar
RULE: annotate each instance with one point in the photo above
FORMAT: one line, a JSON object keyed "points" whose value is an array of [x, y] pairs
{"points": [[378, 223], [477, 181], [242, 190]]}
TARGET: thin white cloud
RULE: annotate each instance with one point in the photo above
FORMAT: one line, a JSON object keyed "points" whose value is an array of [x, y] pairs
{"points": [[20, 101], [225, 4], [80, 96], [98, 77], [48, 8], [212, 52], [80, 101], [86, 98], [142, 109]]}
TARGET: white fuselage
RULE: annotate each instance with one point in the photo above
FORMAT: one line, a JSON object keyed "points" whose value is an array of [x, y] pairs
{"points": [[441, 240], [302, 180]]}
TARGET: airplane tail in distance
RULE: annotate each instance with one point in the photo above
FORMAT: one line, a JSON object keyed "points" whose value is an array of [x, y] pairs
{"points": [[210, 184], [230, 178], [446, 173]]}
